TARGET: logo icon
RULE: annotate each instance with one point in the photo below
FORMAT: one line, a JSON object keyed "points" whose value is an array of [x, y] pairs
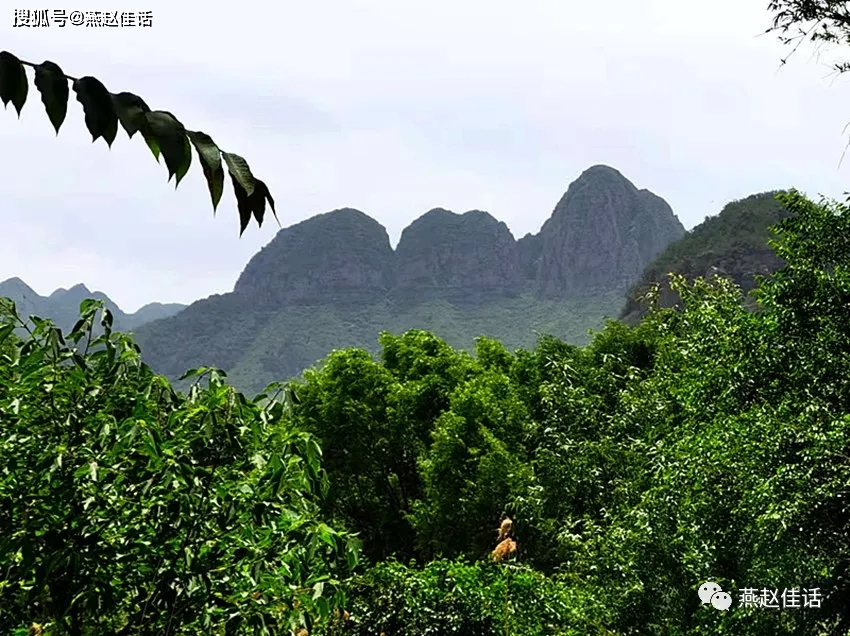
{"points": [[711, 592]]}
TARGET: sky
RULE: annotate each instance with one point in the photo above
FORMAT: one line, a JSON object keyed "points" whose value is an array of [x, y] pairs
{"points": [[394, 108]]}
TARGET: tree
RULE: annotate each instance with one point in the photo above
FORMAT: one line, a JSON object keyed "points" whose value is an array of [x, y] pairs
{"points": [[818, 21], [129, 509], [164, 134]]}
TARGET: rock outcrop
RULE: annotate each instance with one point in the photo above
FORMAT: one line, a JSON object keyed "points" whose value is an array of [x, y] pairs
{"points": [[462, 258], [602, 234], [334, 281], [341, 257]]}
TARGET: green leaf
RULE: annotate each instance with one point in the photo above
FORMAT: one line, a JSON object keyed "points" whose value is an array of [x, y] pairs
{"points": [[352, 556], [13, 81], [253, 204], [243, 204], [183, 167], [5, 330], [169, 137], [101, 119], [193, 373], [131, 111], [323, 607], [153, 145], [107, 319], [240, 172], [258, 202], [326, 534], [53, 86], [251, 193], [210, 156], [89, 307]]}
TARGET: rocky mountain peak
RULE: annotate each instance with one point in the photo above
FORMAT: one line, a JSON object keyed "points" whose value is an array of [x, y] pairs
{"points": [[602, 234], [463, 258], [342, 256]]}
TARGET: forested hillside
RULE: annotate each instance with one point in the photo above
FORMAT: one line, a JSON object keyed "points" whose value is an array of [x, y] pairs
{"points": [[362, 440], [333, 281], [705, 444], [733, 244]]}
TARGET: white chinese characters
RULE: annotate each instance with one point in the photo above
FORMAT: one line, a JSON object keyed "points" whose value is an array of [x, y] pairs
{"points": [[786, 598], [63, 17]]}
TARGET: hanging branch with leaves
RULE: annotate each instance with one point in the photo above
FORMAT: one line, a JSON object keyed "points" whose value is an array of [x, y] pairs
{"points": [[162, 131], [816, 21]]}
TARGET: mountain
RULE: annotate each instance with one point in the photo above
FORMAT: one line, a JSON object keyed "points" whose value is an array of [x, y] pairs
{"points": [[465, 259], [343, 257], [733, 244], [152, 311], [27, 301], [334, 281], [63, 305], [602, 234]]}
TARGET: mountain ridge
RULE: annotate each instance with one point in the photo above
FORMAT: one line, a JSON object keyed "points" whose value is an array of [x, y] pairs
{"points": [[334, 281], [600, 236], [63, 305], [732, 244]]}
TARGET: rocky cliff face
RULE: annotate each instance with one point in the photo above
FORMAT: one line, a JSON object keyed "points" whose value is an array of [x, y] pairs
{"points": [[602, 234], [530, 248], [334, 281], [463, 258], [342, 257]]}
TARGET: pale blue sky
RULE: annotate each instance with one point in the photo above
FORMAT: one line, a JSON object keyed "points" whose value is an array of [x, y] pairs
{"points": [[396, 107]]}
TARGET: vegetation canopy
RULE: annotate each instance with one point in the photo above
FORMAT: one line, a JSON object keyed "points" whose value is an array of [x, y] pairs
{"points": [[126, 508], [707, 443]]}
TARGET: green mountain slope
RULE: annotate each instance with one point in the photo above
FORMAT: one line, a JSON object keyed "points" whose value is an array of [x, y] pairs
{"points": [[63, 305], [733, 244], [258, 347], [334, 281]]}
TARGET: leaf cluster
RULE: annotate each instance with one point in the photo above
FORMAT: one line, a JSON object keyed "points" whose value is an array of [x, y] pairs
{"points": [[127, 508], [163, 133], [817, 21]]}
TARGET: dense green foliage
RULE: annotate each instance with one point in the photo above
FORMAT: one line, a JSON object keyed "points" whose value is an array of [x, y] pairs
{"points": [[733, 244], [465, 599], [128, 509], [708, 443]]}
